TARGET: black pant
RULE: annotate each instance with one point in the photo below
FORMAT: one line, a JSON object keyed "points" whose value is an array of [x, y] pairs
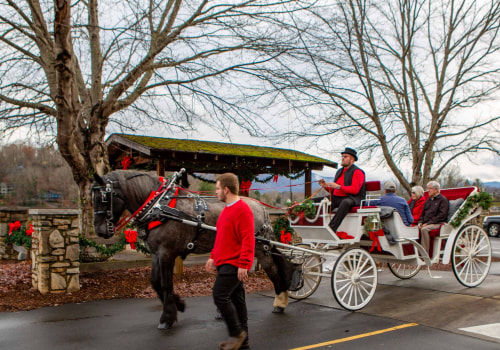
{"points": [[229, 297], [344, 204]]}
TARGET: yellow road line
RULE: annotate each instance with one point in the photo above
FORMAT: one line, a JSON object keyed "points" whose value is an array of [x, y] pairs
{"points": [[354, 337]]}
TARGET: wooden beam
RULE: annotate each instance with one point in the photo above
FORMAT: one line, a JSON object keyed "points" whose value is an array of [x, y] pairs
{"points": [[160, 167], [308, 185]]}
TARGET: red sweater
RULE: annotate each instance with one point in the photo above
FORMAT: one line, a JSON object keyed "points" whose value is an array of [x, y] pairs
{"points": [[235, 240], [417, 209]]}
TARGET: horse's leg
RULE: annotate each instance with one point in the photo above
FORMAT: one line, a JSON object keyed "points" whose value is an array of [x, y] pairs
{"points": [[156, 277], [277, 272], [171, 302]]}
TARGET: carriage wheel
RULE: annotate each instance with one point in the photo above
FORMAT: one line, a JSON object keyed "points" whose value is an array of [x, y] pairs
{"points": [[404, 271], [354, 279], [471, 256], [312, 267]]}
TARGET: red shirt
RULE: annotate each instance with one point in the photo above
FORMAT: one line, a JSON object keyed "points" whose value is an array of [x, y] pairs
{"points": [[417, 209], [235, 240], [358, 179]]}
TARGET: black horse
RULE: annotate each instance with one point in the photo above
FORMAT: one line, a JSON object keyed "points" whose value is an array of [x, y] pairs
{"points": [[177, 229]]}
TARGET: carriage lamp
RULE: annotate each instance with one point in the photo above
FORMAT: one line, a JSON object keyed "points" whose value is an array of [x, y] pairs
{"points": [[375, 224]]}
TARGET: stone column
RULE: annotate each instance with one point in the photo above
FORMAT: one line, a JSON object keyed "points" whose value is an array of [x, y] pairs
{"points": [[8, 215], [55, 250]]}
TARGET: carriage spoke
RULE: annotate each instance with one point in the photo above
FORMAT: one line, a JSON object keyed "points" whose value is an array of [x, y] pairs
{"points": [[354, 279]]}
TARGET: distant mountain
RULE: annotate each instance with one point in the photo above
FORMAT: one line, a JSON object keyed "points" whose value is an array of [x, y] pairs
{"points": [[284, 184], [495, 184]]}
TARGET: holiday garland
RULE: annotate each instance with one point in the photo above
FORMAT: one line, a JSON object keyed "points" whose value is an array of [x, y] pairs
{"points": [[367, 224], [307, 207], [481, 199], [282, 229], [106, 251]]}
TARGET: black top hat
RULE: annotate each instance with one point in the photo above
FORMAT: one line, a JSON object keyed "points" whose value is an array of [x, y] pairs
{"points": [[352, 152]]}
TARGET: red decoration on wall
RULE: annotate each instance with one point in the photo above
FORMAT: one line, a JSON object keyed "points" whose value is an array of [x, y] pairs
{"points": [[30, 230], [275, 178], [131, 237], [245, 187], [126, 162], [14, 226]]}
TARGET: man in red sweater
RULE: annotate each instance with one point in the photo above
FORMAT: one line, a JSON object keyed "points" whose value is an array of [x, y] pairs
{"points": [[232, 258], [348, 189]]}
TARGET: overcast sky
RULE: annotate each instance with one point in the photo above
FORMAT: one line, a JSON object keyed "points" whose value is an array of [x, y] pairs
{"points": [[486, 166]]}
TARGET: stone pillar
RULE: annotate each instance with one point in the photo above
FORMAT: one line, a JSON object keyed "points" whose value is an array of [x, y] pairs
{"points": [[8, 215], [55, 250]]}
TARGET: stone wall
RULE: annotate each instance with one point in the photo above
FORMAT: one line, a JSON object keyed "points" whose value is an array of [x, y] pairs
{"points": [[8, 215], [55, 250]]}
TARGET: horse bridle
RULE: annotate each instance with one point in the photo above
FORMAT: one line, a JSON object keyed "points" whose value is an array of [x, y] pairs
{"points": [[107, 193]]}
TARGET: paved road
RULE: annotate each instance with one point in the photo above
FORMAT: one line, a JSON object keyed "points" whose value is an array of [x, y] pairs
{"points": [[414, 314]]}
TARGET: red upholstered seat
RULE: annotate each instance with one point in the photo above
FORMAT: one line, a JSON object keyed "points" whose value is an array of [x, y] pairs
{"points": [[450, 194], [372, 186]]}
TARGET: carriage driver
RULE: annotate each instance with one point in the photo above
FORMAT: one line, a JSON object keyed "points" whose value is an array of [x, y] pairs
{"points": [[232, 258], [348, 189]]}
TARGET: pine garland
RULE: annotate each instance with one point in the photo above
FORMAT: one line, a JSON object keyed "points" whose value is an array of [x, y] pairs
{"points": [[282, 224], [106, 251], [307, 207], [367, 225], [481, 199]]}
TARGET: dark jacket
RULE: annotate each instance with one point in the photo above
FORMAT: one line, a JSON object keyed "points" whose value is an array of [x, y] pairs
{"points": [[435, 210], [348, 182]]}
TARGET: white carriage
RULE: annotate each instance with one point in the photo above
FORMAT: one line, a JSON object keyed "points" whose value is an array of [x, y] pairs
{"points": [[356, 249]]}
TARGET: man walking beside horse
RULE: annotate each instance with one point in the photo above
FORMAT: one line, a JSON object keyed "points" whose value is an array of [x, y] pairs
{"points": [[232, 258]]}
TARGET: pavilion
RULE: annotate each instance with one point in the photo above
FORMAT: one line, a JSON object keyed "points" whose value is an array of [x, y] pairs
{"points": [[206, 157]]}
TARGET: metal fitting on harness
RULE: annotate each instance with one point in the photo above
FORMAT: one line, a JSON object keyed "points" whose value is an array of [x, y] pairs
{"points": [[190, 245]]}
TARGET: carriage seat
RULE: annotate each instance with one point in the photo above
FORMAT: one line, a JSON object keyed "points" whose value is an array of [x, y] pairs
{"points": [[456, 198], [370, 186]]}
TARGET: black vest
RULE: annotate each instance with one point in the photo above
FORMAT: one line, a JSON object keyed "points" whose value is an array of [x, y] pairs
{"points": [[348, 181]]}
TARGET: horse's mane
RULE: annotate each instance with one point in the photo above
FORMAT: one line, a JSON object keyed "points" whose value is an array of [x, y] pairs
{"points": [[135, 183]]}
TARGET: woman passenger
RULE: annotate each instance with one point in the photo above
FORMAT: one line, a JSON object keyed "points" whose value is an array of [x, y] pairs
{"points": [[416, 202]]}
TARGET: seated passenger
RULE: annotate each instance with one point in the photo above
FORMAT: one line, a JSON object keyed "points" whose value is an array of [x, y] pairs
{"points": [[390, 199], [416, 202], [348, 188], [434, 214]]}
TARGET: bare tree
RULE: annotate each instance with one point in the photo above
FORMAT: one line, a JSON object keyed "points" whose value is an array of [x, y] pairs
{"points": [[68, 69], [406, 79]]}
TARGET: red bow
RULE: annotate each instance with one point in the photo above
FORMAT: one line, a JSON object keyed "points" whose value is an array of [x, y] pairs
{"points": [[286, 237], [30, 230], [374, 235], [14, 226], [245, 187], [126, 162], [344, 235], [131, 237], [275, 178]]}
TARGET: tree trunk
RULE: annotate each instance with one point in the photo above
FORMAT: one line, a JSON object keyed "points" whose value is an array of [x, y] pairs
{"points": [[80, 129]]}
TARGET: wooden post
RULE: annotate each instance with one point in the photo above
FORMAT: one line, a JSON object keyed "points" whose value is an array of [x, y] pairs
{"points": [[179, 265], [308, 185], [160, 167]]}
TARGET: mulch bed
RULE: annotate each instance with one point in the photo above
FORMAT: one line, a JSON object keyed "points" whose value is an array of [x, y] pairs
{"points": [[17, 293]]}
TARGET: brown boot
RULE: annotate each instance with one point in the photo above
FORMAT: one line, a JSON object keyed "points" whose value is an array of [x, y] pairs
{"points": [[233, 343]]}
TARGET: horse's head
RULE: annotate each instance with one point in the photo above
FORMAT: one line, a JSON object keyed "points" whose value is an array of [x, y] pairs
{"points": [[109, 204]]}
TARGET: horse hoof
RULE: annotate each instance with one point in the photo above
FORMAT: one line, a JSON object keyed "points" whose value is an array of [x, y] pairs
{"points": [[278, 310], [163, 326]]}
